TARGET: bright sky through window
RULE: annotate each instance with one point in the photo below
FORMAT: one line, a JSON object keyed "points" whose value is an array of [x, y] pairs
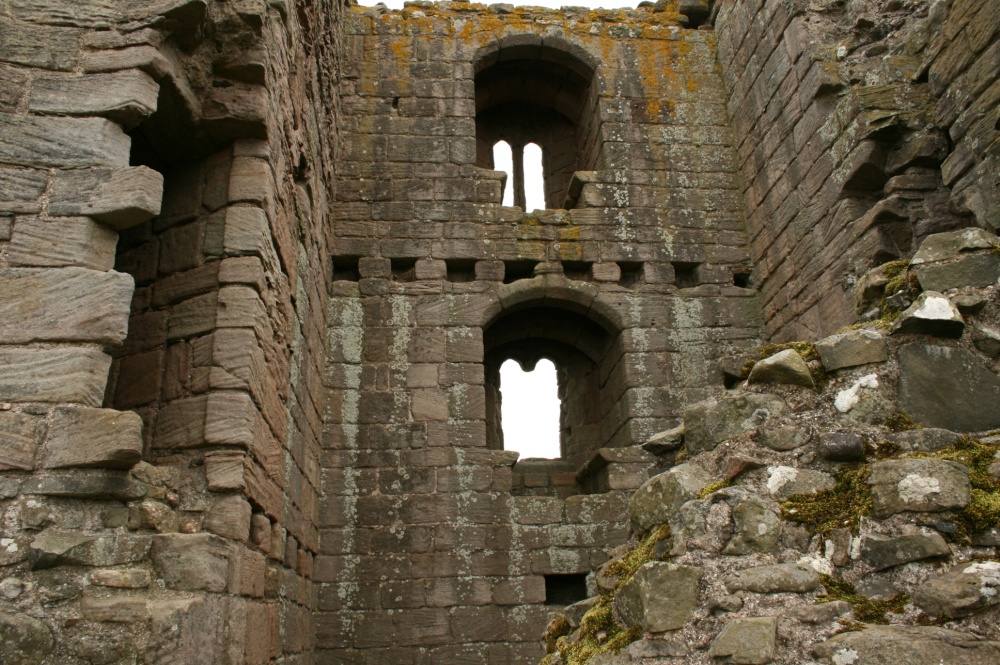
{"points": [[529, 409], [503, 160], [534, 178]]}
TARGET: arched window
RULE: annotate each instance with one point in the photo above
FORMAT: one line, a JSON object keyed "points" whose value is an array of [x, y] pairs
{"points": [[503, 160], [537, 97], [530, 409], [525, 171]]}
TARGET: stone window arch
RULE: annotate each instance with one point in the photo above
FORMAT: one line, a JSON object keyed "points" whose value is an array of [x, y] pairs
{"points": [[535, 90]]}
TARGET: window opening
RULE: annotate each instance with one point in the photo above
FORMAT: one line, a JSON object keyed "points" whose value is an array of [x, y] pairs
{"points": [[534, 178], [530, 409], [565, 589], [503, 160]]}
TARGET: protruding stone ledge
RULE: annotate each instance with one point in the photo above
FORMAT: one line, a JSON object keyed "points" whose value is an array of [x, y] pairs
{"points": [[92, 438], [126, 97], [66, 374], [119, 198], [62, 142]]}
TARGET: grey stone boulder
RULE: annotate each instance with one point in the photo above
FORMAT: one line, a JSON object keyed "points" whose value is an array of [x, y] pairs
{"points": [[820, 612], [964, 590], [709, 423], [780, 578], [841, 446], [881, 552], [987, 340], [926, 439], [946, 387], [665, 441], [852, 348], [748, 640], [976, 270], [918, 485], [656, 500], [660, 596], [786, 481], [784, 367], [907, 645], [24, 640], [941, 246], [757, 525], [784, 437], [930, 314], [53, 547]]}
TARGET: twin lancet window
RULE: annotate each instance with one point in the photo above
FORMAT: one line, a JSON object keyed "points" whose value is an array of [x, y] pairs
{"points": [[525, 186]]}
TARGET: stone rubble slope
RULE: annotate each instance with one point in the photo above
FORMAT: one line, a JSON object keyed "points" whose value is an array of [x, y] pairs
{"points": [[854, 521]]}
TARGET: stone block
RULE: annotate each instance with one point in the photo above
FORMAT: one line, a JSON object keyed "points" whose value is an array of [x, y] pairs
{"points": [[881, 552], [74, 375], [967, 589], [66, 305], [656, 501], [126, 96], [87, 484], [229, 517], [62, 241], [62, 142], [120, 578], [757, 524], [24, 639], [224, 470], [660, 596], [114, 610], [918, 485], [786, 481], [946, 387], [780, 578], [784, 437], [189, 631], [841, 446], [42, 46], [852, 348], [784, 367], [19, 437], [749, 640], [23, 189], [53, 548], [927, 439], [913, 645], [942, 246], [709, 423], [83, 437], [192, 562], [977, 270], [120, 198]]}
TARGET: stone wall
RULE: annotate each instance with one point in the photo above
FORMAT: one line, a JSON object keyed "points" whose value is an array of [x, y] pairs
{"points": [[842, 141], [431, 543], [166, 177]]}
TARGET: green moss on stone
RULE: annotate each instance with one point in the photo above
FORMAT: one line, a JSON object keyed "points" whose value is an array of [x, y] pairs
{"points": [[902, 423], [715, 487], [839, 507], [867, 610]]}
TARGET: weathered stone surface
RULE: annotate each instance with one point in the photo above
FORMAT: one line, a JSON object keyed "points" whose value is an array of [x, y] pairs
{"points": [[92, 438], [119, 198], [39, 46], [656, 501], [748, 640], [987, 340], [785, 481], [757, 526], [189, 630], [63, 548], [19, 435], [918, 485], [23, 639], [913, 645], [665, 441], [966, 589], [120, 578], [62, 241], [852, 348], [784, 367], [941, 246], [64, 305], [927, 439], [977, 270], [192, 562], [660, 596], [62, 142], [780, 578], [930, 314], [947, 387], [126, 96], [229, 517], [53, 375], [882, 552], [784, 437], [114, 610], [87, 484], [23, 189], [821, 612], [710, 422], [841, 446]]}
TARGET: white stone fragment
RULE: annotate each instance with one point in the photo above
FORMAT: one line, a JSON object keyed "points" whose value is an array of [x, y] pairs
{"points": [[935, 307], [780, 476], [915, 488], [848, 398]]}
